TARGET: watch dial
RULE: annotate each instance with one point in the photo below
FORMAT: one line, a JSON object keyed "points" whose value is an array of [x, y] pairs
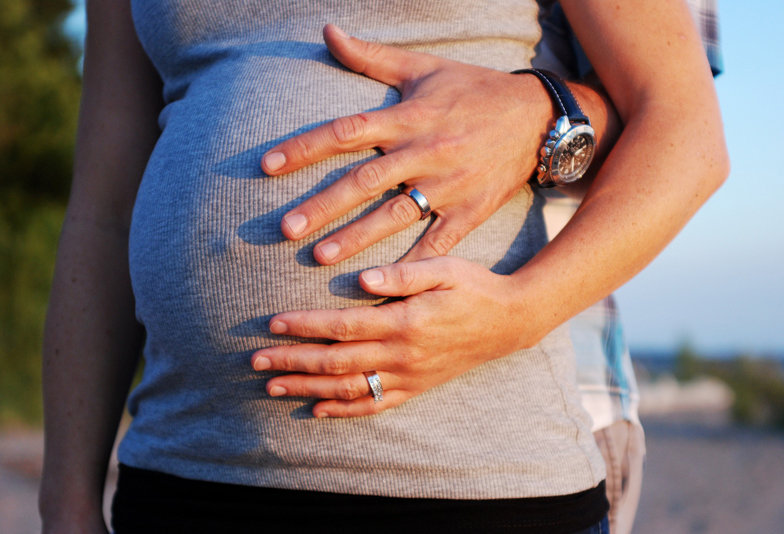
{"points": [[573, 158]]}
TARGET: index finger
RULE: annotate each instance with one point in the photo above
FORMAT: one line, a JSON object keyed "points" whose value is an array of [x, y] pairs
{"points": [[363, 323], [362, 131]]}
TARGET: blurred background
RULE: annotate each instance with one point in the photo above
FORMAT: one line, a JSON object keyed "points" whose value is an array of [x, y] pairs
{"points": [[705, 321]]}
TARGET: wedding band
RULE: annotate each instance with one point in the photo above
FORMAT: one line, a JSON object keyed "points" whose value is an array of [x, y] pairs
{"points": [[375, 386], [421, 202]]}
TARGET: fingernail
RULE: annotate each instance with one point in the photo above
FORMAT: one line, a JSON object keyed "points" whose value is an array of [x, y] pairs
{"points": [[373, 277], [275, 160], [322, 415], [341, 32], [329, 250], [277, 391], [278, 327], [262, 363], [296, 223]]}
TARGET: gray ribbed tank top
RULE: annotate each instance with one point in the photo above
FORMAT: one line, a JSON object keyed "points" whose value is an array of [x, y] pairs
{"points": [[209, 266]]}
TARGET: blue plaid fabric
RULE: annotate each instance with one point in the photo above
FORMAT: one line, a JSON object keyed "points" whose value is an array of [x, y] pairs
{"points": [[706, 15], [604, 367]]}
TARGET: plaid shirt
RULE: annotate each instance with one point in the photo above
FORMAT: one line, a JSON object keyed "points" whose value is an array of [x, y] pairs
{"points": [[706, 14], [604, 368]]}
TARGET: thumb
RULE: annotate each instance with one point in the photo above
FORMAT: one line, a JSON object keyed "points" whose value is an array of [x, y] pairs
{"points": [[404, 279], [387, 64]]}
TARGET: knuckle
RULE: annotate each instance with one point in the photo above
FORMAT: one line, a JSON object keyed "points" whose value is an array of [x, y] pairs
{"points": [[373, 50], [444, 147], [341, 329], [310, 328], [368, 180], [303, 148], [440, 243], [464, 175], [320, 205], [285, 363], [403, 211], [413, 361], [356, 238], [333, 366], [347, 130], [347, 390], [406, 275]]}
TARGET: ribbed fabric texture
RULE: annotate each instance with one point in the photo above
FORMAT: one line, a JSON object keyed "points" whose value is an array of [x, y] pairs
{"points": [[209, 266]]}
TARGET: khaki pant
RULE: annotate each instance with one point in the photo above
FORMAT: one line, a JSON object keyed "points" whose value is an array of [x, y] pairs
{"points": [[623, 447]]}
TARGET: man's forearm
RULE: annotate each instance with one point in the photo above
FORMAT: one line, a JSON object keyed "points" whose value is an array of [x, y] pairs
{"points": [[636, 205]]}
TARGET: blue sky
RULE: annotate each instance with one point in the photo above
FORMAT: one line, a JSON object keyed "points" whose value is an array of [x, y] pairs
{"points": [[719, 285]]}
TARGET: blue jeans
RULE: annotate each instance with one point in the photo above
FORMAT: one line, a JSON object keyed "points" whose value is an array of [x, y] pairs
{"points": [[602, 527]]}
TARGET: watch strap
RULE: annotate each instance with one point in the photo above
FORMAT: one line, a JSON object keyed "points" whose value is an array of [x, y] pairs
{"points": [[560, 93]]}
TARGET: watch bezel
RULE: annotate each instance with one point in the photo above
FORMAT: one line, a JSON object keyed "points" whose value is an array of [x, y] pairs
{"points": [[558, 150]]}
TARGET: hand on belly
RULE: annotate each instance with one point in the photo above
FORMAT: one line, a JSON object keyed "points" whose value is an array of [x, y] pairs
{"points": [[465, 137], [458, 316]]}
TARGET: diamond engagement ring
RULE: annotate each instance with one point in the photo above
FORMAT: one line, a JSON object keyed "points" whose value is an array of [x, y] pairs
{"points": [[375, 386], [421, 202]]}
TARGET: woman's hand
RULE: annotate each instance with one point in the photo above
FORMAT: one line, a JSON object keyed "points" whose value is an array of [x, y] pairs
{"points": [[414, 344], [466, 137]]}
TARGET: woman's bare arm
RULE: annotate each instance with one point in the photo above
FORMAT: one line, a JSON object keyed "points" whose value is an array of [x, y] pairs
{"points": [[92, 340]]}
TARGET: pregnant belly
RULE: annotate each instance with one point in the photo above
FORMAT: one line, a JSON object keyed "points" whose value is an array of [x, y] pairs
{"points": [[208, 262]]}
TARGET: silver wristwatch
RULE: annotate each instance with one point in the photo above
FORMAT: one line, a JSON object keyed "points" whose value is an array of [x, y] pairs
{"points": [[568, 152]]}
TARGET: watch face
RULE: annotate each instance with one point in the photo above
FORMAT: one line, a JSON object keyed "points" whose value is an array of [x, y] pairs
{"points": [[573, 154]]}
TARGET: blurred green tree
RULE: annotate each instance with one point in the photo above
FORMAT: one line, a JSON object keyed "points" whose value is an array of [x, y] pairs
{"points": [[39, 101], [39, 98], [688, 364], [759, 391]]}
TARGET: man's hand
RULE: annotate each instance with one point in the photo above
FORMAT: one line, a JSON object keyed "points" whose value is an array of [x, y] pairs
{"points": [[466, 137]]}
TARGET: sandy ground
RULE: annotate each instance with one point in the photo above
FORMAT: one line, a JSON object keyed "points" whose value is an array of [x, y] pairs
{"points": [[702, 476]]}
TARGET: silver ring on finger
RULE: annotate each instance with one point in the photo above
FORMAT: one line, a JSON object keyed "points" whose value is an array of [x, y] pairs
{"points": [[375, 386], [421, 202]]}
